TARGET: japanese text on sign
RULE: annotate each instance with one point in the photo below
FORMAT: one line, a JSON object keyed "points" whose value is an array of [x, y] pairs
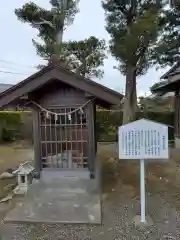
{"points": [[143, 139]]}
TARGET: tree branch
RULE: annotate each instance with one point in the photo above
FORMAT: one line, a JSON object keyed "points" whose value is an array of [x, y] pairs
{"points": [[131, 14], [123, 10], [143, 47], [44, 22]]}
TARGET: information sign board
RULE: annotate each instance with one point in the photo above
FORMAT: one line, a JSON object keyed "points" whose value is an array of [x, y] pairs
{"points": [[143, 139]]}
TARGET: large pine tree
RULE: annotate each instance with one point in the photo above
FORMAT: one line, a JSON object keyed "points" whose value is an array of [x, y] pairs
{"points": [[134, 27], [49, 23], [85, 57]]}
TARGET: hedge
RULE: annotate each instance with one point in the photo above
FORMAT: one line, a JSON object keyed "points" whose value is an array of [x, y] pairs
{"points": [[107, 123], [9, 125], [15, 124]]}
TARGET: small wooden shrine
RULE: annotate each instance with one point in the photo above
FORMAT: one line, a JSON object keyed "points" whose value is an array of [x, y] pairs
{"points": [[63, 104]]}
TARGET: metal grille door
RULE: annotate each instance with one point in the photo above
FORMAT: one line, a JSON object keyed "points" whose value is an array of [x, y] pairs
{"points": [[64, 139]]}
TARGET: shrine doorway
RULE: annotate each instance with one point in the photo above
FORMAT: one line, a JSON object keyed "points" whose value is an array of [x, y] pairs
{"points": [[64, 138]]}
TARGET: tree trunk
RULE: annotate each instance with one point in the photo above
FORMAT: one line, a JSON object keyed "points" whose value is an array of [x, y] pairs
{"points": [[130, 102]]}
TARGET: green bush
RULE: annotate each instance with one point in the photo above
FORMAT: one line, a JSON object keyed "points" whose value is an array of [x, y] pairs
{"points": [[10, 122], [8, 135], [109, 168], [107, 123], [19, 123]]}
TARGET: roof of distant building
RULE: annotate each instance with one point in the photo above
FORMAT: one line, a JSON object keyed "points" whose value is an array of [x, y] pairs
{"points": [[4, 87]]}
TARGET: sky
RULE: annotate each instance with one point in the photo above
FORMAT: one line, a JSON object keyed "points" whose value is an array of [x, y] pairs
{"points": [[18, 55]]}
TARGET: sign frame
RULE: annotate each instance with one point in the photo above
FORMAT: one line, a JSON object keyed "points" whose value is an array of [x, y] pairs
{"points": [[143, 139]]}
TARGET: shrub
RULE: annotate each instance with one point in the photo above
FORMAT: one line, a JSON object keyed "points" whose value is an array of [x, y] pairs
{"points": [[8, 135], [14, 123], [109, 167], [107, 123], [10, 122]]}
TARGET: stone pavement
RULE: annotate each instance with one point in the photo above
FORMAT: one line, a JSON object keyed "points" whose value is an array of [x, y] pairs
{"points": [[59, 200]]}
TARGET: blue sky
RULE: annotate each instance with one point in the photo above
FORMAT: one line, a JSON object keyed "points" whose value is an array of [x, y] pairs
{"points": [[18, 55]]}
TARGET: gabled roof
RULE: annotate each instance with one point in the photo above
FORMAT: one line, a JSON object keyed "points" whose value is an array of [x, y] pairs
{"points": [[172, 71], [168, 85], [58, 72]]}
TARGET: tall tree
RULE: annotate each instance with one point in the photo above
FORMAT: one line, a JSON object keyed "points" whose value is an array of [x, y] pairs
{"points": [[84, 57], [49, 23], [167, 49], [134, 29]]}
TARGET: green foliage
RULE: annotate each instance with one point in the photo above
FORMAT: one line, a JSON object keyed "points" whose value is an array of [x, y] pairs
{"points": [[134, 29], [48, 22], [84, 57], [9, 122], [89, 55], [8, 135], [109, 167], [156, 85], [167, 50], [10, 118], [157, 104], [107, 123]]}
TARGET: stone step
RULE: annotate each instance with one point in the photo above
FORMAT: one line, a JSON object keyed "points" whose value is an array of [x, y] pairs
{"points": [[67, 183], [64, 187], [51, 175]]}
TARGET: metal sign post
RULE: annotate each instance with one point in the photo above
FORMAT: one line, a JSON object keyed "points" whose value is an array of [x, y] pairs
{"points": [[143, 199], [143, 140]]}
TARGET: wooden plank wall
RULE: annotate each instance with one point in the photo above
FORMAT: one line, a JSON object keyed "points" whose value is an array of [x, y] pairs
{"points": [[177, 115]]}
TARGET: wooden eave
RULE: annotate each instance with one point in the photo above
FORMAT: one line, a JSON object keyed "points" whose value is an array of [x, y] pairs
{"points": [[55, 71], [168, 87], [172, 71]]}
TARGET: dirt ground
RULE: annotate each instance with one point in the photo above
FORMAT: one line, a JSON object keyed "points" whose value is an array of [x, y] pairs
{"points": [[120, 202], [11, 156]]}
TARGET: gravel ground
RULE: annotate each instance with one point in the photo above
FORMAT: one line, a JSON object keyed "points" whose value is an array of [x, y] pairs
{"points": [[118, 210], [119, 206]]}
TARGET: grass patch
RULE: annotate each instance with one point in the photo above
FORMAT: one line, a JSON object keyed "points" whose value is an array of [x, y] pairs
{"points": [[161, 177]]}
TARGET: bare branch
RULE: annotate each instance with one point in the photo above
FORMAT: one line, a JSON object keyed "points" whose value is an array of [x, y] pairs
{"points": [[45, 22]]}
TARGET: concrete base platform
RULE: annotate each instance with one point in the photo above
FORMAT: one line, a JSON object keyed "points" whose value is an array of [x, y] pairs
{"points": [[137, 221], [59, 201]]}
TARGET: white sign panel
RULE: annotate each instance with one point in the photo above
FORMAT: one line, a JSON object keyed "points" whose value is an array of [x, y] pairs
{"points": [[143, 139]]}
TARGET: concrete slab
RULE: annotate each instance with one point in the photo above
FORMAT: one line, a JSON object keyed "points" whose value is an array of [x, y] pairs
{"points": [[56, 212], [59, 201]]}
